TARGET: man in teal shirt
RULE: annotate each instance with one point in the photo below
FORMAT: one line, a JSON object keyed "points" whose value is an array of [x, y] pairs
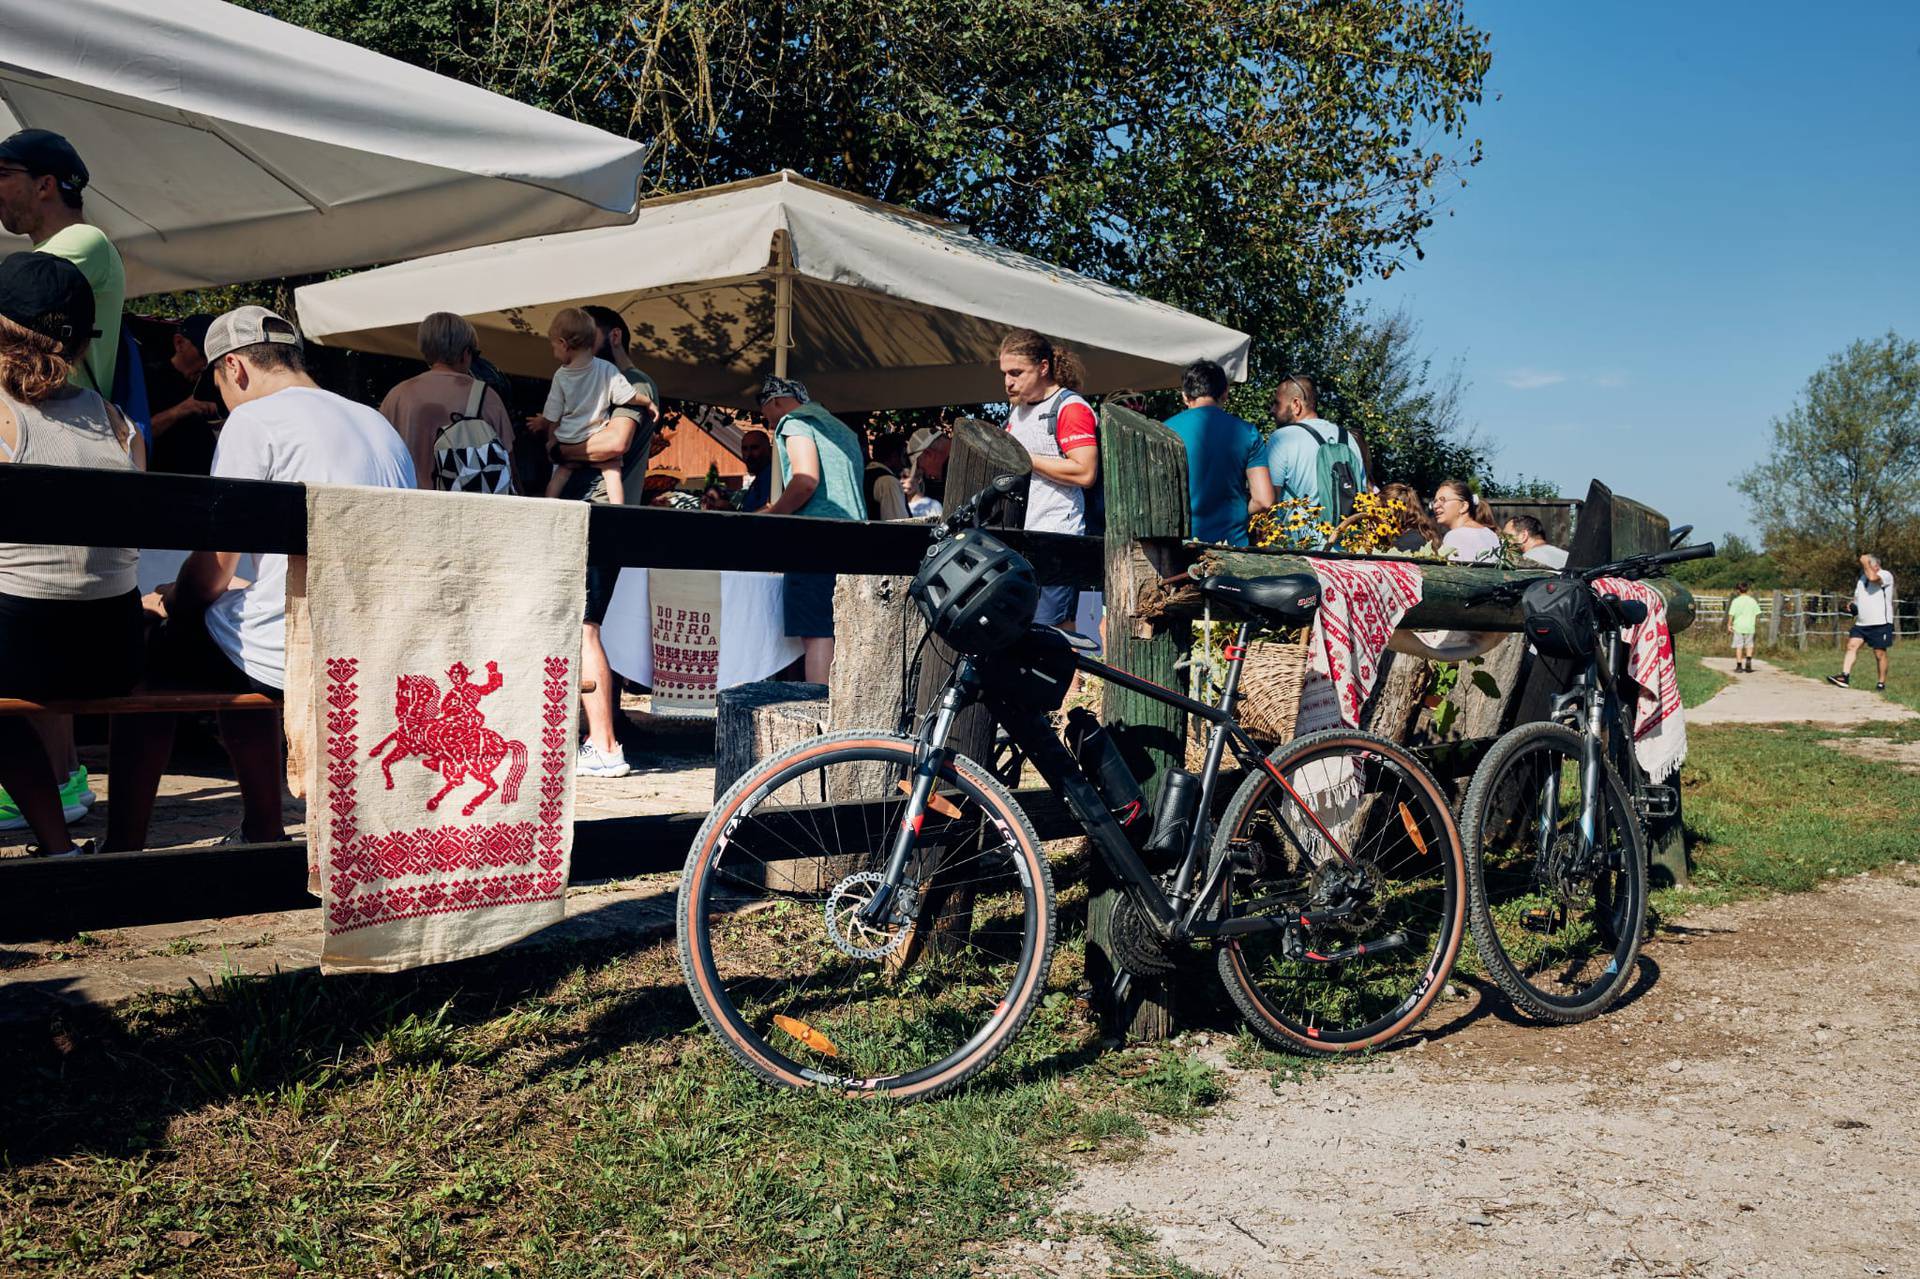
{"points": [[41, 181], [1227, 479], [820, 467]]}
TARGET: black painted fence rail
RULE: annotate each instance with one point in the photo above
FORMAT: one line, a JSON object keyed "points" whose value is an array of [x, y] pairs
{"points": [[77, 507]]}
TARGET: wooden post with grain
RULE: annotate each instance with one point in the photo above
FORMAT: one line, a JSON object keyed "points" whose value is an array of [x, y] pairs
{"points": [[1144, 468]]}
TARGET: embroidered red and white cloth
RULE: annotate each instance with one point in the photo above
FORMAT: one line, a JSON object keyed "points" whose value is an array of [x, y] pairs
{"points": [[1659, 725], [445, 646], [1361, 602]]}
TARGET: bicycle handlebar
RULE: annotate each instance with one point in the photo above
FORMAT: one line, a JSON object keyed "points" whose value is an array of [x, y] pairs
{"points": [[1632, 568], [970, 512]]}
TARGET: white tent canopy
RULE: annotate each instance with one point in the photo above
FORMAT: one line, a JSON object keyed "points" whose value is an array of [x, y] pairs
{"points": [[226, 146], [877, 307]]}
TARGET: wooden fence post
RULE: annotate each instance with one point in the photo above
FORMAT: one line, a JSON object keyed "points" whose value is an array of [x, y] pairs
{"points": [[1774, 604], [1144, 468], [1800, 620]]}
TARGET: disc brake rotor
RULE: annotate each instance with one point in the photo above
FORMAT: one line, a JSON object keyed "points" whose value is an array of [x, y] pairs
{"points": [[853, 936]]}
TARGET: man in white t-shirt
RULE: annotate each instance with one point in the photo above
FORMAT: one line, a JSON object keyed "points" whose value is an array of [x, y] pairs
{"points": [[1872, 610], [221, 632]]}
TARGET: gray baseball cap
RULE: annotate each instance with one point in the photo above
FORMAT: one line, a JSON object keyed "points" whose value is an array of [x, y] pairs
{"points": [[247, 326]]}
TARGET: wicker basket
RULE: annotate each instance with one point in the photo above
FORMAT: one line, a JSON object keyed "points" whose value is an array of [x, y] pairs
{"points": [[1272, 676]]}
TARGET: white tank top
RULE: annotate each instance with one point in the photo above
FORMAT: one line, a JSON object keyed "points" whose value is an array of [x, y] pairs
{"points": [[69, 428], [1051, 507]]}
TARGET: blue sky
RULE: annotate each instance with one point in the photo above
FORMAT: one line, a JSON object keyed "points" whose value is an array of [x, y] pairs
{"points": [[1684, 209]]}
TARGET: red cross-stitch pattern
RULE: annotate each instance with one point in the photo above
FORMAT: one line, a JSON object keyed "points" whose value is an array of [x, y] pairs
{"points": [[360, 861]]}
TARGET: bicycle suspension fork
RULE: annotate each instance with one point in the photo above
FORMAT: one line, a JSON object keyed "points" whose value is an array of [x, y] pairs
{"points": [[962, 691]]}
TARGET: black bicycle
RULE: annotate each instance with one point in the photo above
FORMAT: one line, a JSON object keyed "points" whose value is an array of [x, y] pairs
{"points": [[1556, 849], [872, 912]]}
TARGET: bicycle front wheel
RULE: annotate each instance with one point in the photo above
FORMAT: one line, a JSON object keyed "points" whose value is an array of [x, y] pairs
{"points": [[804, 991], [1354, 863], [1556, 918]]}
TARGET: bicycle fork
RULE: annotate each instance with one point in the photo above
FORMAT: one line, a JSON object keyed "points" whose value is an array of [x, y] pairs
{"points": [[926, 773]]}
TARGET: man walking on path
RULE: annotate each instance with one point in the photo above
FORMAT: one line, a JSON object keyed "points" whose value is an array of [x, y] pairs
{"points": [[1872, 610], [1743, 615]]}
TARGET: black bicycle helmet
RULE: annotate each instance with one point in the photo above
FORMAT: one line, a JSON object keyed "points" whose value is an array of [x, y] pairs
{"points": [[976, 592]]}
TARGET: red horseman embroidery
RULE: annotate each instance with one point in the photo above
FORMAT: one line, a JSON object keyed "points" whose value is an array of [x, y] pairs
{"points": [[451, 735]]}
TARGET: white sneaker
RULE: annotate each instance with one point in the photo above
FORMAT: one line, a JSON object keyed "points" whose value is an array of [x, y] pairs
{"points": [[594, 762]]}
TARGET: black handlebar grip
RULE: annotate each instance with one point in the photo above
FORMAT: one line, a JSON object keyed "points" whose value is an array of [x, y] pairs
{"points": [[1702, 551]]}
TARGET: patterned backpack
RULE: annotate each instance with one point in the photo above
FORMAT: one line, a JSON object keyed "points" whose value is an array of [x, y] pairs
{"points": [[467, 454]]}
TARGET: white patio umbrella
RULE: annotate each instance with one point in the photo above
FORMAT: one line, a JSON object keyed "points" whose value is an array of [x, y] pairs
{"points": [[873, 305], [226, 146]]}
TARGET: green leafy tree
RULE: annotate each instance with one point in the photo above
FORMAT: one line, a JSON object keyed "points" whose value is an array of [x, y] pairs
{"points": [[1736, 561], [1247, 160], [1839, 476]]}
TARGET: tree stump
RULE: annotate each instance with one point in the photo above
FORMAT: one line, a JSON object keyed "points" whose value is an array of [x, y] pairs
{"points": [[756, 720], [1144, 468]]}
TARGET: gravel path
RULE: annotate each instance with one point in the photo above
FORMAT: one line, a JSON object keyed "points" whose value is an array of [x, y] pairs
{"points": [[1749, 1112], [1773, 696]]}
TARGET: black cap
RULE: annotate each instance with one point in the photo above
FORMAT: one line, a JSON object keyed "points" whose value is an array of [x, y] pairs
{"points": [[194, 329], [45, 153], [48, 295]]}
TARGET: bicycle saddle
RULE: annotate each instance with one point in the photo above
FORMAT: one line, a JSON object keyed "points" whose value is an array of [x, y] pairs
{"points": [[1618, 614], [1290, 598]]}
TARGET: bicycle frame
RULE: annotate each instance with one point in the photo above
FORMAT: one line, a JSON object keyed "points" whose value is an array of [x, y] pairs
{"points": [[1596, 714], [1175, 915]]}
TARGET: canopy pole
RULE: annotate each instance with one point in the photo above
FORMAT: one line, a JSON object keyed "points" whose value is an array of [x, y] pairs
{"points": [[782, 303]]}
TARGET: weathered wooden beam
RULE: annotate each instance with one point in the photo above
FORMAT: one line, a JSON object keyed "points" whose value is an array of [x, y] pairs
{"points": [[1155, 593], [43, 898], [1144, 467]]}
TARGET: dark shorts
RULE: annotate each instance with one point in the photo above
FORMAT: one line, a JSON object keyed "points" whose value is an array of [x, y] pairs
{"points": [[601, 579], [807, 604], [181, 656], [1875, 636], [1056, 606], [70, 648]]}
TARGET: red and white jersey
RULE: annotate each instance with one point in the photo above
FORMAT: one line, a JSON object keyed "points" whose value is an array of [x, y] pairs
{"points": [[1061, 422]]}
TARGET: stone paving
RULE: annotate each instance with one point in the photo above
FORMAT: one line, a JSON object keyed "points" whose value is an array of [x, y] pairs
{"points": [[200, 803]]}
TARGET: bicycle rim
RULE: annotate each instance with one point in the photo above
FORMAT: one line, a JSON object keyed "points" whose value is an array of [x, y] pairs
{"points": [[1367, 944], [804, 993], [1557, 928]]}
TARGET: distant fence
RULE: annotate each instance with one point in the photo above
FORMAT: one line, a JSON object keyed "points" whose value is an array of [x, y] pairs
{"points": [[1799, 619]]}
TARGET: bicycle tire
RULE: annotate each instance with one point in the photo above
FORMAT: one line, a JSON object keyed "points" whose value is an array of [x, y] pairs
{"points": [[778, 969], [1293, 1003], [1510, 897]]}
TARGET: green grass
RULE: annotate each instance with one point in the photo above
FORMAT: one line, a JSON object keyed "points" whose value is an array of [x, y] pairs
{"points": [[1697, 683], [540, 1113], [1776, 809]]}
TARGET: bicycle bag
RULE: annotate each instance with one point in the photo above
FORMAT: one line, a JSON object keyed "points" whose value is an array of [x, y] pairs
{"points": [[1560, 618]]}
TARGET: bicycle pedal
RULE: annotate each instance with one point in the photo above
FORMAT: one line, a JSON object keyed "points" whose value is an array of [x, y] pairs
{"points": [[1657, 801]]}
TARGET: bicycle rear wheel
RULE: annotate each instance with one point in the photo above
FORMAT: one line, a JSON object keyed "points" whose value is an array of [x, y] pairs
{"points": [[1363, 943], [1558, 930], [804, 993]]}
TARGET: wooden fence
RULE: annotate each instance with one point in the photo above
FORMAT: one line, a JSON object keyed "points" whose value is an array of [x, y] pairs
{"points": [[1801, 619]]}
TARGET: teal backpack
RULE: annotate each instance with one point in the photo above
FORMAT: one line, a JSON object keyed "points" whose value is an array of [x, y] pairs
{"points": [[1337, 472]]}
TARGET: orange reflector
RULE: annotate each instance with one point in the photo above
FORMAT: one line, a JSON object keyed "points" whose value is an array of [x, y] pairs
{"points": [[945, 807], [806, 1034], [1413, 829]]}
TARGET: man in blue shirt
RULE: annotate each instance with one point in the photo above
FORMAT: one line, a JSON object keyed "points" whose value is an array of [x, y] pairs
{"points": [[1226, 467], [1293, 450]]}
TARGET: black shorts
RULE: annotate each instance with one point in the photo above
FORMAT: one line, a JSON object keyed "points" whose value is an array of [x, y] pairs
{"points": [[807, 605], [601, 579], [70, 649], [181, 656], [1875, 636]]}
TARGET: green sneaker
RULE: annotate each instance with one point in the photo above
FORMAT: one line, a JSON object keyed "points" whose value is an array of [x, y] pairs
{"points": [[75, 799], [76, 796]]}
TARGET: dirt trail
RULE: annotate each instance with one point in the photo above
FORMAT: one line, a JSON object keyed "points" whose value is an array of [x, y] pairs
{"points": [[1773, 696], [1750, 1112]]}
